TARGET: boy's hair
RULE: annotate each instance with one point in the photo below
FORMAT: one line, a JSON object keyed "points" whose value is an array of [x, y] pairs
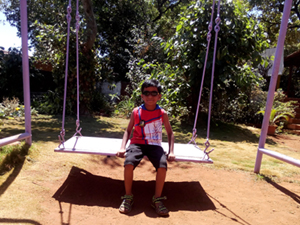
{"points": [[152, 83]]}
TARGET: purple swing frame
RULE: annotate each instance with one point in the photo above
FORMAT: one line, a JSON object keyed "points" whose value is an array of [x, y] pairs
{"points": [[261, 149], [263, 136], [26, 82]]}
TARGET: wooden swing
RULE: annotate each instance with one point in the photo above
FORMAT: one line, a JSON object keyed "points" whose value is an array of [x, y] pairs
{"points": [[109, 146]]}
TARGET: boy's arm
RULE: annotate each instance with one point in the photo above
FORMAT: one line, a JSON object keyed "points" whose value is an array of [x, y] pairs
{"points": [[126, 136], [169, 130]]}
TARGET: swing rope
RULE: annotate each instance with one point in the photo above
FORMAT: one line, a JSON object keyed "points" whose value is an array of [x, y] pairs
{"points": [[78, 129], [91, 145], [217, 29], [63, 132], [209, 35]]}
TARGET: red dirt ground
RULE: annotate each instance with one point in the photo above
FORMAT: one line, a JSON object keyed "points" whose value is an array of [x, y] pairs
{"points": [[59, 188]]}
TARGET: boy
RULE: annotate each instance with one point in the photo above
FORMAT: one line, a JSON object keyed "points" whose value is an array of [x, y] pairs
{"points": [[146, 141]]}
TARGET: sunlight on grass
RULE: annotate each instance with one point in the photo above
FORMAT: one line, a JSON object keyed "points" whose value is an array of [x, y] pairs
{"points": [[235, 146]]}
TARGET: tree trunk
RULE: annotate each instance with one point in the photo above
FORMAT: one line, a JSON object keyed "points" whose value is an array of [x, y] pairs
{"points": [[91, 28], [87, 78]]}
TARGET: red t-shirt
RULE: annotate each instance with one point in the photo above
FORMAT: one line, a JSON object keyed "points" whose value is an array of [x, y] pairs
{"points": [[147, 126]]}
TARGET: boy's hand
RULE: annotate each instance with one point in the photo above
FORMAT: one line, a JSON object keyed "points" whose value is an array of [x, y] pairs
{"points": [[171, 157], [121, 153]]}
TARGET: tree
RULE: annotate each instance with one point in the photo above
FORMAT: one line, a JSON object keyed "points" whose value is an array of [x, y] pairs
{"points": [[11, 70], [11, 79], [240, 41], [104, 50], [129, 39], [269, 13], [47, 28], [115, 20]]}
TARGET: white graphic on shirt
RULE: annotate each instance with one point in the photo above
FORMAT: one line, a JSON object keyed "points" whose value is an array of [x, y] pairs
{"points": [[153, 132]]}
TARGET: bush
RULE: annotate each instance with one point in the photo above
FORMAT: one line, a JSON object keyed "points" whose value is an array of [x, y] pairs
{"points": [[51, 103], [11, 82], [11, 109], [124, 107], [11, 78], [101, 104], [281, 110]]}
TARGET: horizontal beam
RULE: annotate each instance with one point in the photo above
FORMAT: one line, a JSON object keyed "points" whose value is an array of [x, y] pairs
{"points": [[11, 139], [280, 156]]}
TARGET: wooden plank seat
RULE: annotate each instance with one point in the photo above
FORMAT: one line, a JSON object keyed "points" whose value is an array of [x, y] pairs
{"points": [[110, 146]]}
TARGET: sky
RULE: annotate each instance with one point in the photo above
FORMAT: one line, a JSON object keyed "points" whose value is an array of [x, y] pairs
{"points": [[8, 37]]}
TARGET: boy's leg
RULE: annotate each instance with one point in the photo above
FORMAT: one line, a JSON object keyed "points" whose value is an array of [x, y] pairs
{"points": [[133, 157], [128, 178], [157, 203], [127, 202], [158, 158], [160, 181]]}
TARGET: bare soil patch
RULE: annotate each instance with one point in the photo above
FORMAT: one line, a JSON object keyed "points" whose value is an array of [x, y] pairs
{"points": [[58, 188]]}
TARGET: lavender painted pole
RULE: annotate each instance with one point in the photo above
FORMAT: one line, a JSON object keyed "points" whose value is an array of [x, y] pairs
{"points": [[270, 98], [280, 156], [25, 65]]}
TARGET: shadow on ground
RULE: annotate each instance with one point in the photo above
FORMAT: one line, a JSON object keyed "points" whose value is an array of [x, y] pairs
{"points": [[15, 159], [84, 188], [18, 221], [285, 191]]}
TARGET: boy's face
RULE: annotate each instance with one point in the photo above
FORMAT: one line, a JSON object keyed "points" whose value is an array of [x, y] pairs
{"points": [[150, 96]]}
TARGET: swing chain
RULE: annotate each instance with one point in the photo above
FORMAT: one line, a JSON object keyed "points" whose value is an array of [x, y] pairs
{"points": [[207, 144], [217, 21], [69, 10], [78, 129], [193, 139], [209, 32], [61, 136]]}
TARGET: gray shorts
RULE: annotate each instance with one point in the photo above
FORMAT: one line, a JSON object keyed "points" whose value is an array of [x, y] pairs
{"points": [[155, 153]]}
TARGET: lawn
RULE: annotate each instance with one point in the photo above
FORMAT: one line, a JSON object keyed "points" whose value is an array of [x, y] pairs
{"points": [[40, 186], [235, 145]]}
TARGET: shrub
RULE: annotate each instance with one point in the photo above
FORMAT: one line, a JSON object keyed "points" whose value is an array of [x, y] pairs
{"points": [[11, 109], [281, 110], [124, 107], [101, 104]]}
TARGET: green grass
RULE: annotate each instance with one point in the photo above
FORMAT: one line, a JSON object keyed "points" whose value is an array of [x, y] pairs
{"points": [[235, 145], [12, 155]]}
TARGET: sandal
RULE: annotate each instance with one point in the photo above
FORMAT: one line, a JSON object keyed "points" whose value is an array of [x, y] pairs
{"points": [[159, 207], [126, 204]]}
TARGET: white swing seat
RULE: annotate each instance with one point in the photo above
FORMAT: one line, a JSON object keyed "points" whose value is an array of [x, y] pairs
{"points": [[110, 147]]}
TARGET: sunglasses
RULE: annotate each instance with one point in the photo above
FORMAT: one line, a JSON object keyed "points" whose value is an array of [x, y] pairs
{"points": [[153, 93]]}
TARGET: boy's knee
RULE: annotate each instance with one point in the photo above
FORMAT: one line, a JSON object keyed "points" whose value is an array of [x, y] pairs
{"points": [[161, 169], [129, 167]]}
